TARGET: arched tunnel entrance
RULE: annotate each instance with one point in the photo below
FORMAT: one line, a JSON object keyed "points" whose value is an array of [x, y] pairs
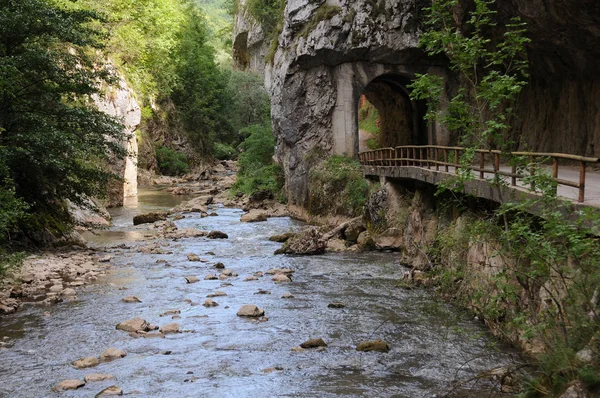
{"points": [[387, 116]]}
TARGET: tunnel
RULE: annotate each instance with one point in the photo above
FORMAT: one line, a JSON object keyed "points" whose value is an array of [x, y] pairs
{"points": [[398, 117]]}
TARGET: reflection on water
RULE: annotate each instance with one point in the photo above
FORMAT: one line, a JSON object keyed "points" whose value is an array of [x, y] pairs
{"points": [[222, 355]]}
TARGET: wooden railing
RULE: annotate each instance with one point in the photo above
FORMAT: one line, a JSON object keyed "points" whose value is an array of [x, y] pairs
{"points": [[443, 158]]}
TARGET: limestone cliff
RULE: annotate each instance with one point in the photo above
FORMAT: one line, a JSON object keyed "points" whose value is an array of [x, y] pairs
{"points": [[120, 102], [331, 52], [249, 43]]}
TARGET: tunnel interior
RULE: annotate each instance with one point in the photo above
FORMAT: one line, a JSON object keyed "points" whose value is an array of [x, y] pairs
{"points": [[399, 121]]}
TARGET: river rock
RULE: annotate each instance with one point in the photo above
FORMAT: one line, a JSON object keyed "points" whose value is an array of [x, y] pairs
{"points": [[307, 242], [250, 278], [8, 306], [191, 279], [96, 377], [336, 304], [105, 259], [110, 391], [186, 233], [250, 310], [193, 257], [254, 216], [134, 325], [171, 312], [365, 241], [261, 291], [68, 292], [227, 272], [281, 278], [68, 385], [375, 345], [281, 238], [83, 363], [313, 343], [131, 299], [111, 354], [217, 294], [287, 296], [219, 265], [275, 271], [170, 328], [210, 303], [149, 218], [210, 277], [217, 235]]}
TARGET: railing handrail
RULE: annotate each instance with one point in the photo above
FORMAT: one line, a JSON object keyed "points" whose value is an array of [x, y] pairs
{"points": [[428, 157], [566, 156]]}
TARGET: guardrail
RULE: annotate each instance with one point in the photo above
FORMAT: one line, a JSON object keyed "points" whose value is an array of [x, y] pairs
{"points": [[446, 157]]}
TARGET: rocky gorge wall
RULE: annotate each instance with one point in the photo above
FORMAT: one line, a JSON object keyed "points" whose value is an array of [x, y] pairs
{"points": [[120, 103], [330, 52]]}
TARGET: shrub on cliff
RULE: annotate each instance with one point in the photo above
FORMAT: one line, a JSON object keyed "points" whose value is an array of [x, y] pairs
{"points": [[337, 187], [171, 162], [258, 171]]}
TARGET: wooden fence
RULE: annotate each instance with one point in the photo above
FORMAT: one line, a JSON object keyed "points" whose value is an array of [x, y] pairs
{"points": [[445, 158]]}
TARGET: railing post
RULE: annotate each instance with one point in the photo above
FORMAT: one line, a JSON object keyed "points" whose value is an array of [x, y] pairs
{"points": [[456, 161], [514, 175], [428, 156], [481, 165], [496, 164], [437, 163], [582, 167], [555, 173], [446, 160]]}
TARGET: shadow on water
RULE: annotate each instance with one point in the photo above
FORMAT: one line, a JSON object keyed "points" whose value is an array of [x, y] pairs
{"points": [[221, 355]]}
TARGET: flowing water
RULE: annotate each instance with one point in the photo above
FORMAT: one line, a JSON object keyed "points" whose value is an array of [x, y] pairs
{"points": [[433, 345]]}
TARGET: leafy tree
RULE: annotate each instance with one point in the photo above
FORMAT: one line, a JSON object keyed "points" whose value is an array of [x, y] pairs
{"points": [[53, 140], [547, 257], [258, 172], [491, 74], [199, 92]]}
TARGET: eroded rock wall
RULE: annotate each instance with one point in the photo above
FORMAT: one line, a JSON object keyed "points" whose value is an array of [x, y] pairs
{"points": [[330, 51], [323, 63], [120, 102], [250, 45]]}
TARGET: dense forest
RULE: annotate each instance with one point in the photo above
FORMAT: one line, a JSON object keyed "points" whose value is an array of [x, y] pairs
{"points": [[57, 55]]}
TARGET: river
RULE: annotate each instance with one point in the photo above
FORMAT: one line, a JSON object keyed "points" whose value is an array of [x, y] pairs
{"points": [[433, 345]]}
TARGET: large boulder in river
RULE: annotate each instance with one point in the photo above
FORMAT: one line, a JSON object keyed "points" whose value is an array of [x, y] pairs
{"points": [[254, 216], [134, 325], [149, 218], [217, 235], [307, 242], [68, 385], [249, 310], [375, 345]]}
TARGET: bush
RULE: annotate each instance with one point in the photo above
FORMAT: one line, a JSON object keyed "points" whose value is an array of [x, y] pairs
{"points": [[258, 172], [171, 162], [223, 151], [337, 187]]}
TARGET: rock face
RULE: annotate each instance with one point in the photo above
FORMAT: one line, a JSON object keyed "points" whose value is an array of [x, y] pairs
{"points": [[120, 102], [329, 54], [249, 43]]}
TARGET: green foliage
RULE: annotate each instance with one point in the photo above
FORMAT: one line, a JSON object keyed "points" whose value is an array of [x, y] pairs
{"points": [[337, 187], [199, 92], [491, 73], [324, 13], [223, 151], [10, 261], [258, 172], [268, 13], [171, 162], [53, 140], [247, 104]]}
